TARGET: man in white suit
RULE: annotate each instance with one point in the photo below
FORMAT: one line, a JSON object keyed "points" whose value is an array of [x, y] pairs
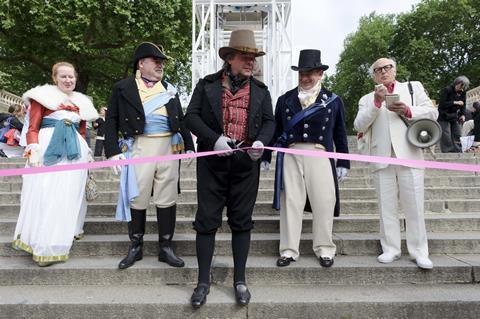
{"points": [[388, 139]]}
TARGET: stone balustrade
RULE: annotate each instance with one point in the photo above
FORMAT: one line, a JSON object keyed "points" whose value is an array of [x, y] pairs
{"points": [[473, 95], [7, 99]]}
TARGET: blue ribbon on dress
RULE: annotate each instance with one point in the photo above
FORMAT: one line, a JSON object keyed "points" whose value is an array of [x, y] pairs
{"points": [[63, 143], [282, 142], [128, 183]]}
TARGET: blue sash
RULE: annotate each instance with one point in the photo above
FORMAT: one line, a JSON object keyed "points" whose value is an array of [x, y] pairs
{"points": [[282, 142], [64, 142], [159, 100], [128, 184]]}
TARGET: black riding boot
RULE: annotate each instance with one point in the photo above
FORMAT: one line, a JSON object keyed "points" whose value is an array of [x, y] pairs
{"points": [[136, 230], [166, 218]]}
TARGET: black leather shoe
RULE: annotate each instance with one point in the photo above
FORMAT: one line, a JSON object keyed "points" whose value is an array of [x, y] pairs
{"points": [[242, 295], [134, 254], [168, 256], [326, 261], [284, 261], [199, 296]]}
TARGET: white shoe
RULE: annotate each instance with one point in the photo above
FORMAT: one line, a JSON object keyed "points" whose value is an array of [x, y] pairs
{"points": [[387, 258], [424, 262]]}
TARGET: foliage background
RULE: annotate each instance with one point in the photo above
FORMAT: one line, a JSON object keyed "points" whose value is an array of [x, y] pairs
{"points": [[434, 43], [98, 37]]}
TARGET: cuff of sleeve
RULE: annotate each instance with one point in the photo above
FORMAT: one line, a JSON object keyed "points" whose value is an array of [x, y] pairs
{"points": [[377, 104]]}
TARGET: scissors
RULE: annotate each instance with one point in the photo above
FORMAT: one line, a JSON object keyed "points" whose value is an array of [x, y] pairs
{"points": [[234, 145]]}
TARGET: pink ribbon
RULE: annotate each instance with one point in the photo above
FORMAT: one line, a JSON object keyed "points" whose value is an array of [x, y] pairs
{"points": [[352, 157]]}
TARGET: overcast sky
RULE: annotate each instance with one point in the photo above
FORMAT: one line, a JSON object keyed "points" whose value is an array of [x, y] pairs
{"points": [[324, 24]]}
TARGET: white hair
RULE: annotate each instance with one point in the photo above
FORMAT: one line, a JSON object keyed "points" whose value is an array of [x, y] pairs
{"points": [[370, 69]]}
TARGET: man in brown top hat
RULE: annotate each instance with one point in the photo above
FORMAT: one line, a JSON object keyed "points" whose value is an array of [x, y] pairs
{"points": [[228, 109]]}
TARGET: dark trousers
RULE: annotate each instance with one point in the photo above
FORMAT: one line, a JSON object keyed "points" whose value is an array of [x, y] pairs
{"points": [[226, 181], [98, 147], [450, 140]]}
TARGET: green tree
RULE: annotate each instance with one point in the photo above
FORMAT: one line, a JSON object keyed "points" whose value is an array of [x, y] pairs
{"points": [[361, 49], [98, 37], [438, 41]]}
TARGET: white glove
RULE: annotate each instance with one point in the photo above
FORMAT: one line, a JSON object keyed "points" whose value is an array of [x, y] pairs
{"points": [[32, 153], [265, 166], [256, 151], [190, 160], [117, 168], [341, 173], [222, 145]]}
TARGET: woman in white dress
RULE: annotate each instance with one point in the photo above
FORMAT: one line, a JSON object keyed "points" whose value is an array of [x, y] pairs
{"points": [[53, 205]]}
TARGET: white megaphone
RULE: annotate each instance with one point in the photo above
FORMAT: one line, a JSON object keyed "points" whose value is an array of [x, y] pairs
{"points": [[424, 133]]}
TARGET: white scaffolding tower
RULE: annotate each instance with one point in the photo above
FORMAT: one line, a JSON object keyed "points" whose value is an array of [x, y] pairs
{"points": [[213, 21]]}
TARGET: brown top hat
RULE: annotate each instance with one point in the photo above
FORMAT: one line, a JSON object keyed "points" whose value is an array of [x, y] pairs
{"points": [[241, 41]]}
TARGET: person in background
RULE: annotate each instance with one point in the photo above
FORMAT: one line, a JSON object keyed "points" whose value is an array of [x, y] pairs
{"points": [[389, 139], [451, 114], [11, 125], [99, 125], [53, 205], [472, 127]]}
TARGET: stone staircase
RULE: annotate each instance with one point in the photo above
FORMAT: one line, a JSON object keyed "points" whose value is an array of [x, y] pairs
{"points": [[89, 285]]}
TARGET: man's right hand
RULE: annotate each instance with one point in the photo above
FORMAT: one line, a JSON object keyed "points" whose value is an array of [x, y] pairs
{"points": [[380, 92], [116, 169], [222, 145]]}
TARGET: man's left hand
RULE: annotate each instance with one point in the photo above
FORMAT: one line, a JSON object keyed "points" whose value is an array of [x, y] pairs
{"points": [[398, 107], [462, 119], [341, 173], [256, 151]]}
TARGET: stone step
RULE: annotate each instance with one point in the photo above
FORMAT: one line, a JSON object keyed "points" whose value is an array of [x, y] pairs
{"points": [[458, 205], [15, 185], [347, 270], [189, 195], [356, 244], [268, 301], [353, 164], [360, 173], [427, 155], [270, 224]]}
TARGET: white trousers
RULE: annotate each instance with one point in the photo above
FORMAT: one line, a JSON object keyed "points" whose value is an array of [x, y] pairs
{"points": [[407, 182], [304, 175], [161, 176]]}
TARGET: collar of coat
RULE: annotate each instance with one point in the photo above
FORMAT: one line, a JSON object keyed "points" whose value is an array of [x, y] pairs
{"points": [[291, 97], [218, 77], [51, 98]]}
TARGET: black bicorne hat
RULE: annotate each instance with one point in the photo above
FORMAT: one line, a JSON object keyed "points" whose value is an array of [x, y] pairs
{"points": [[309, 60], [147, 50]]}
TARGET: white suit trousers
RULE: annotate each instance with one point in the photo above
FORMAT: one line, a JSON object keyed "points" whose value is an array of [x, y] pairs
{"points": [[409, 184], [304, 175]]}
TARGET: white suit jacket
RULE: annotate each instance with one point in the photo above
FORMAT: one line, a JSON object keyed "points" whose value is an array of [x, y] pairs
{"points": [[387, 129]]}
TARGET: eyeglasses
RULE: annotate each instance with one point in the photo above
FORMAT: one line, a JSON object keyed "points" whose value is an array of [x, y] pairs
{"points": [[384, 68]]}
